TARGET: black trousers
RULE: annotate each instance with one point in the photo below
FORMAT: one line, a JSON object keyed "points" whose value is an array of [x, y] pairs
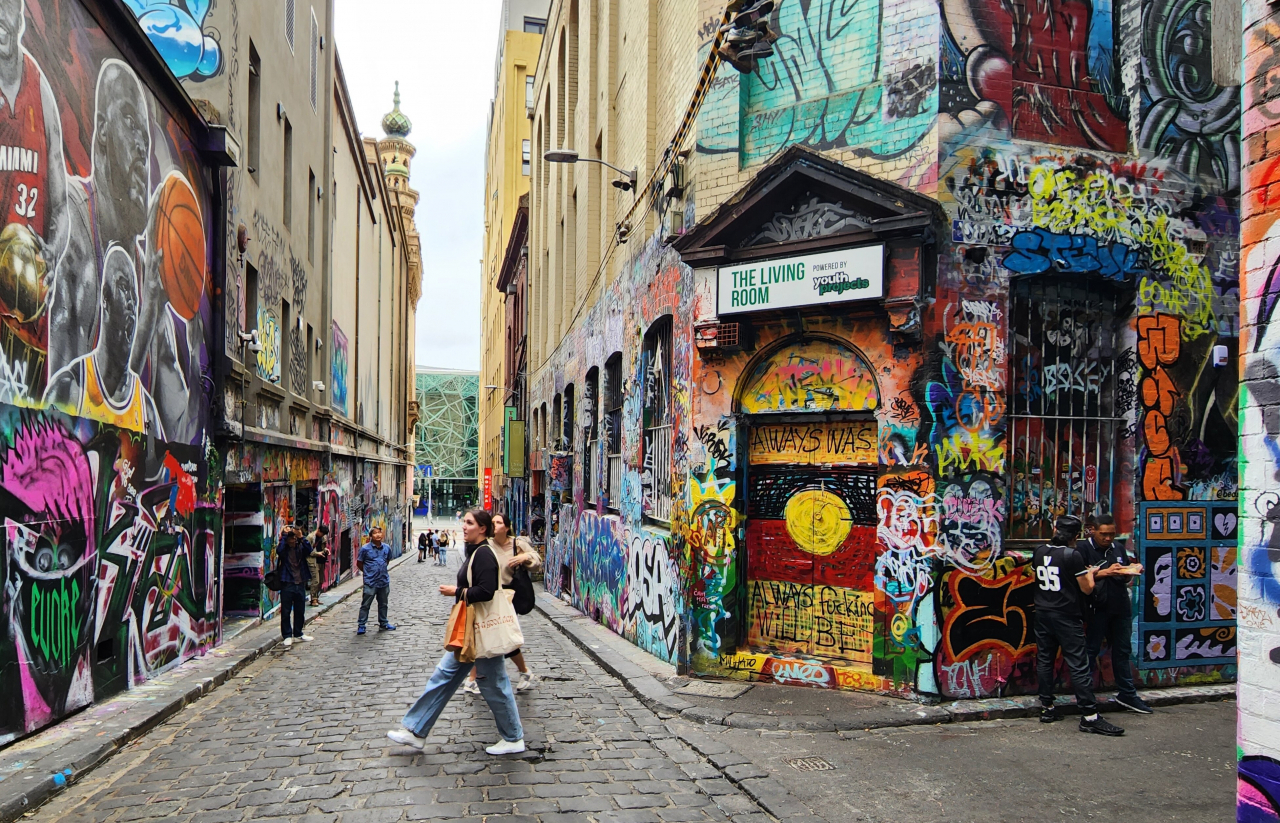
{"points": [[1058, 631], [293, 604], [1117, 629]]}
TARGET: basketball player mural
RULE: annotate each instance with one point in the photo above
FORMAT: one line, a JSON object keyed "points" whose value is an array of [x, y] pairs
{"points": [[159, 240], [33, 195], [101, 385]]}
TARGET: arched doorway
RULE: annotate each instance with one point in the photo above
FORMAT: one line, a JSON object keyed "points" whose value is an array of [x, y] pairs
{"points": [[808, 407]]}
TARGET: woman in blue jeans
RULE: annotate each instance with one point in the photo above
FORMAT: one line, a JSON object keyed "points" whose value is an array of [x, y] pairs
{"points": [[477, 528]]}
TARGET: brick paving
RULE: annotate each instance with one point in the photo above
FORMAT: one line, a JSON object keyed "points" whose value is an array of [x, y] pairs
{"points": [[300, 736]]}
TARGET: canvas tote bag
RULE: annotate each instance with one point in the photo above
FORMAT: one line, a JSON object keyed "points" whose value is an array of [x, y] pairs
{"points": [[496, 628]]}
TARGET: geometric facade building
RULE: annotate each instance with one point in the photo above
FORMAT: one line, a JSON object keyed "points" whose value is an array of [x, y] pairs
{"points": [[447, 442]]}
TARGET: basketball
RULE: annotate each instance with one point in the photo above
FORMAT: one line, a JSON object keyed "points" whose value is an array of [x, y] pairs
{"points": [[179, 234]]}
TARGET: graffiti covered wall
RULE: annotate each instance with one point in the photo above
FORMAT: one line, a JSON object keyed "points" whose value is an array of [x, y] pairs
{"points": [[1259, 509], [112, 492]]}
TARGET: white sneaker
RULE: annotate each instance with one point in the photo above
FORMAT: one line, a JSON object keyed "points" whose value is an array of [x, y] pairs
{"points": [[527, 681], [306, 638], [288, 641], [506, 747], [407, 738], [471, 687]]}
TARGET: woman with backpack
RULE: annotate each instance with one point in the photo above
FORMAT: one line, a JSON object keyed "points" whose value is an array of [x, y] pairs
{"points": [[516, 556], [477, 583]]}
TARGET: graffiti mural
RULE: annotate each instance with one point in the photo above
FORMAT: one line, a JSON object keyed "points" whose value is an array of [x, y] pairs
{"points": [[112, 532], [338, 371], [178, 31]]}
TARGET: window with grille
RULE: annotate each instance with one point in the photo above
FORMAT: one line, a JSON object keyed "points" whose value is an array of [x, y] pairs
{"points": [[655, 470], [591, 430], [613, 430], [290, 12], [1072, 389], [315, 61], [568, 418]]}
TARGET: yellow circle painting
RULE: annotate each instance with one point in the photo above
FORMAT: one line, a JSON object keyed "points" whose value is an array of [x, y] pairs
{"points": [[818, 521]]}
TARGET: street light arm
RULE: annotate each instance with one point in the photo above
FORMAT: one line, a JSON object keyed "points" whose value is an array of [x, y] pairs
{"points": [[623, 172]]}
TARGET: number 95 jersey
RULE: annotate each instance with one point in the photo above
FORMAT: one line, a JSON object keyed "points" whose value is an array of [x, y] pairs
{"points": [[1056, 588], [23, 152]]}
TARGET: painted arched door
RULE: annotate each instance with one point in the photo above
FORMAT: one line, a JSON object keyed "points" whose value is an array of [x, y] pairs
{"points": [[811, 514]]}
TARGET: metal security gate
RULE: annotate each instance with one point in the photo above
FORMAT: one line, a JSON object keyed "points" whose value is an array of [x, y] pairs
{"points": [[1070, 384]]}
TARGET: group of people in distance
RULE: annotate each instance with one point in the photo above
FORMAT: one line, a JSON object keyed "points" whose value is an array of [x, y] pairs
{"points": [[436, 544]]}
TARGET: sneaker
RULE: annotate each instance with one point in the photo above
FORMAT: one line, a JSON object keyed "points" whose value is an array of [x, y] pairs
{"points": [[527, 681], [390, 627], [1133, 704], [360, 630], [288, 641], [507, 747], [305, 638], [471, 687], [1049, 714], [406, 738], [1100, 726]]}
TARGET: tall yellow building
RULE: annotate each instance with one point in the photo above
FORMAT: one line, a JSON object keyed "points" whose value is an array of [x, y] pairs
{"points": [[507, 166]]}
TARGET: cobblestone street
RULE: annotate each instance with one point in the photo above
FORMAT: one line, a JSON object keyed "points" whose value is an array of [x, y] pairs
{"points": [[300, 735]]}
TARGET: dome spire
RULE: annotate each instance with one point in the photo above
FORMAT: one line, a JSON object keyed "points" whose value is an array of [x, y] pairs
{"points": [[396, 124]]}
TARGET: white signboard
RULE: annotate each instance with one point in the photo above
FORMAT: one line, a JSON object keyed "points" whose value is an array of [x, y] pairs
{"points": [[805, 280]]}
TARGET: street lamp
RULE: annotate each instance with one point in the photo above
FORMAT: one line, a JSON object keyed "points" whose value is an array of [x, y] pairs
{"points": [[571, 156]]}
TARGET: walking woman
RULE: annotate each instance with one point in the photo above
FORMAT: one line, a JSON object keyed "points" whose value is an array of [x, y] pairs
{"points": [[477, 527], [512, 552]]}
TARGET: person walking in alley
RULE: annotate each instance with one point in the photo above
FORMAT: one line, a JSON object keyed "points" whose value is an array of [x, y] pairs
{"points": [[477, 582], [372, 563], [1062, 579], [291, 557], [319, 554], [424, 543], [1112, 614], [512, 553]]}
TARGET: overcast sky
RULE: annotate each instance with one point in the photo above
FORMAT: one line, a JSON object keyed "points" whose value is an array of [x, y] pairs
{"points": [[442, 53]]}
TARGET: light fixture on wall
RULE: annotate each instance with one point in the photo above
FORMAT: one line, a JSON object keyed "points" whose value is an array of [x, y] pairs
{"points": [[252, 340], [571, 156], [280, 112], [318, 385]]}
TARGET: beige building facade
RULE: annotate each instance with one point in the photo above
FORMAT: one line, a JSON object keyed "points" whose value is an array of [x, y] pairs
{"points": [[508, 163]]}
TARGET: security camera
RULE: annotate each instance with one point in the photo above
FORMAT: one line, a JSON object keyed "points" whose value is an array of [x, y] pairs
{"points": [[317, 385]]}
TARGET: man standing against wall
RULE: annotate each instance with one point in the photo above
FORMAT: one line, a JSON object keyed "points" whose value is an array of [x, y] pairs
{"points": [[372, 563], [1112, 616], [1061, 579]]}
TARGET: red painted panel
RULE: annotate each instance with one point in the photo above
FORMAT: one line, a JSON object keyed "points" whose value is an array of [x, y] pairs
{"points": [[773, 555]]}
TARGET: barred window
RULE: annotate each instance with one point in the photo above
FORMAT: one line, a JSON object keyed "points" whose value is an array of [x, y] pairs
{"points": [[613, 430], [655, 471], [591, 431]]}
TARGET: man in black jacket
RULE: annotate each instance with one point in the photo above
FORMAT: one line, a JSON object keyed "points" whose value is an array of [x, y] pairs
{"points": [[1062, 578], [291, 557], [1112, 615]]}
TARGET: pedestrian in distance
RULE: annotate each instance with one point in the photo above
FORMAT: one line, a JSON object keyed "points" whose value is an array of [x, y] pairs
{"points": [[1111, 615], [512, 552], [372, 563], [424, 543], [319, 554], [482, 568], [1062, 579], [291, 558], [442, 548]]}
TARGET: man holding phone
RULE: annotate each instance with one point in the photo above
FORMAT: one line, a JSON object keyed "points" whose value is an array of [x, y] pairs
{"points": [[1112, 616], [1062, 578]]}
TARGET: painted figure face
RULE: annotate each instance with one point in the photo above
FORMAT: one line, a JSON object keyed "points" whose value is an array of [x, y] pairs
{"points": [[11, 26], [122, 146], [119, 303]]}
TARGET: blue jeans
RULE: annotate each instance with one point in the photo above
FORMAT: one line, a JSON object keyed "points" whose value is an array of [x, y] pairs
{"points": [[1116, 629], [491, 676], [293, 602], [370, 592]]}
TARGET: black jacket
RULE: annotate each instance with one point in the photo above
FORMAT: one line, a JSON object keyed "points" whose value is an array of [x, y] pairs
{"points": [[484, 574]]}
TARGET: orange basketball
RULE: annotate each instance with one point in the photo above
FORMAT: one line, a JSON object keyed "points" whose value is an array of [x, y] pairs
{"points": [[180, 235]]}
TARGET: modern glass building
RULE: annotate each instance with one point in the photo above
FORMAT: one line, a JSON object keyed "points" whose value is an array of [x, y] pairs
{"points": [[445, 479]]}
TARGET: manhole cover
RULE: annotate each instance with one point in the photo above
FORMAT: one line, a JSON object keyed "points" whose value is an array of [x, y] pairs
{"points": [[810, 764], [704, 688]]}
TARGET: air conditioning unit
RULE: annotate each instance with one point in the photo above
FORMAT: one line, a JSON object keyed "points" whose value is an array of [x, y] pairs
{"points": [[718, 338]]}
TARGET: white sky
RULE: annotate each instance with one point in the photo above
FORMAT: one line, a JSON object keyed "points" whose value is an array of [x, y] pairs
{"points": [[442, 53]]}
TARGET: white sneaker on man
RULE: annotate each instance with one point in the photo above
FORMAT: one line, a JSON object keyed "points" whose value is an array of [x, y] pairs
{"points": [[527, 681], [406, 738], [305, 638], [471, 687], [288, 641], [507, 747]]}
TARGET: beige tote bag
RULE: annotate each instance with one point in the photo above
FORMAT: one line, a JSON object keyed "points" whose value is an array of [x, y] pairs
{"points": [[496, 628]]}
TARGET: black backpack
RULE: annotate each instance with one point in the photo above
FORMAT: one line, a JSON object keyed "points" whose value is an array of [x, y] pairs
{"points": [[522, 585]]}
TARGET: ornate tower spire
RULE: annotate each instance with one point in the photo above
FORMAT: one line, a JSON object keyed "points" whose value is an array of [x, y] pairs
{"points": [[396, 124]]}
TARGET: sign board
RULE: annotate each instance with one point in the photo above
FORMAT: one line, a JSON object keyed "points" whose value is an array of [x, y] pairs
{"points": [[513, 461], [488, 489], [821, 442], [805, 280], [425, 471]]}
